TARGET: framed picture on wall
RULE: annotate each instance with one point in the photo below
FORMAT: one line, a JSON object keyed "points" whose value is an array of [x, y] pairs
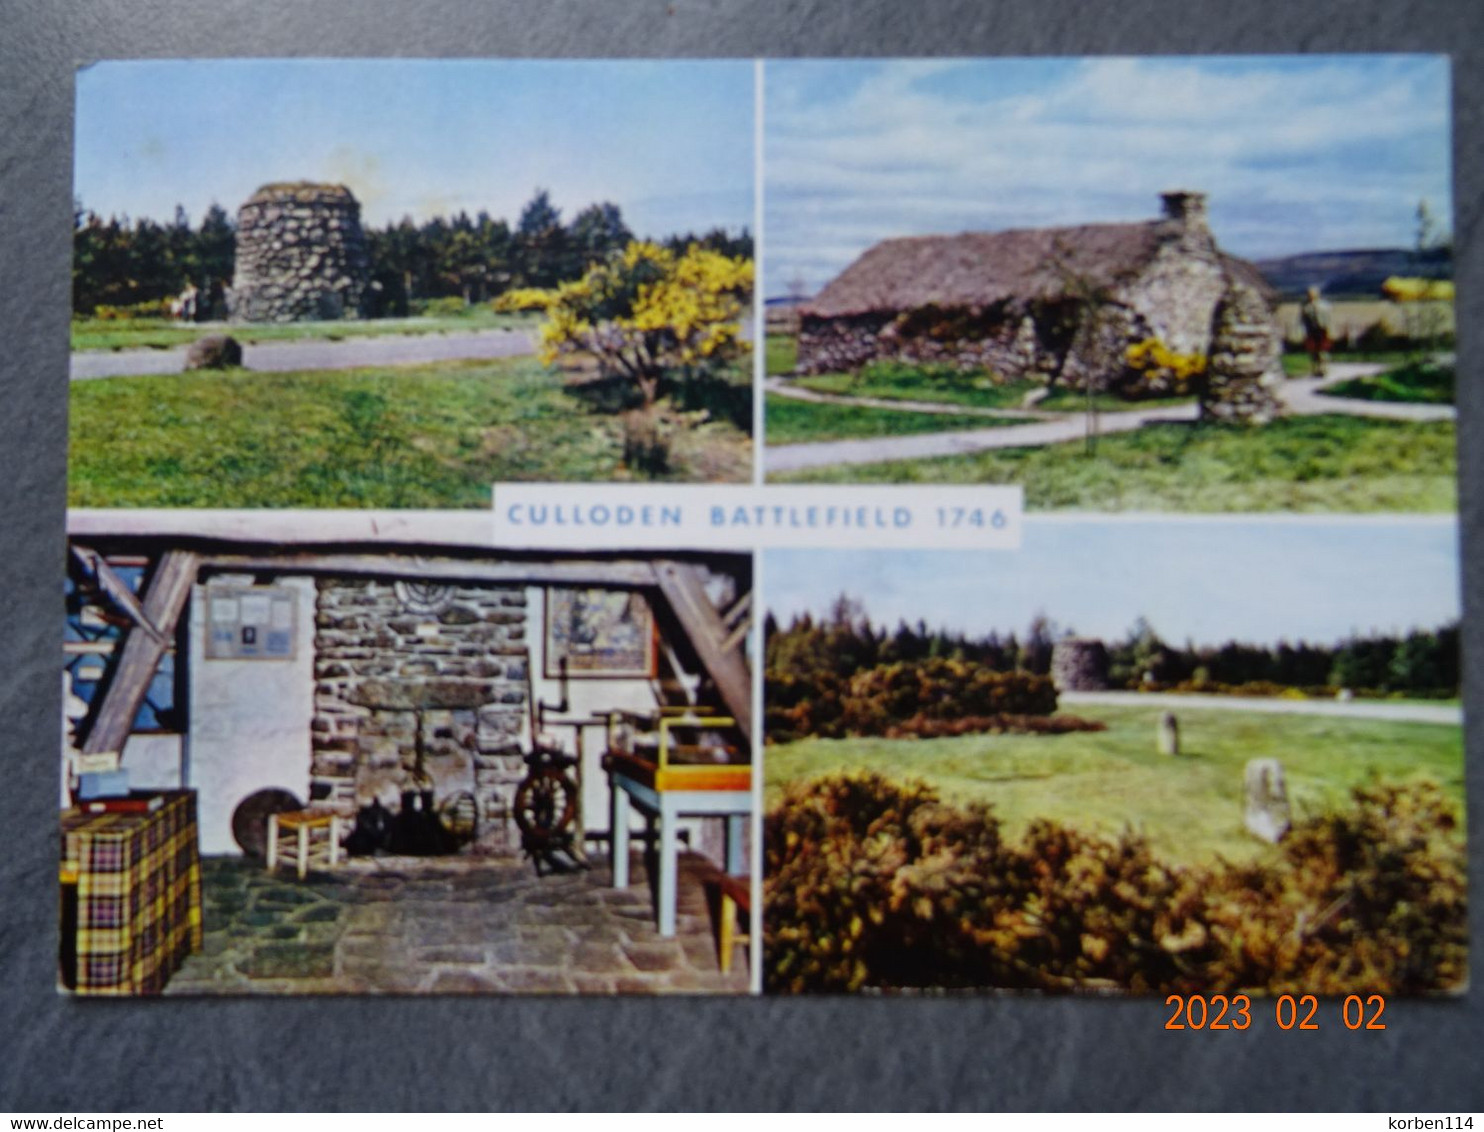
{"points": [[599, 633]]}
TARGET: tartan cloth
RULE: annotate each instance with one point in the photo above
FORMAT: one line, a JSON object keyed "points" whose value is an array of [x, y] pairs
{"points": [[138, 894]]}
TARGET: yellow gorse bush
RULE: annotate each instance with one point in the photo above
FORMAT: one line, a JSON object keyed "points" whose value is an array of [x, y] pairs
{"points": [[645, 310], [1151, 354], [1404, 289], [523, 299]]}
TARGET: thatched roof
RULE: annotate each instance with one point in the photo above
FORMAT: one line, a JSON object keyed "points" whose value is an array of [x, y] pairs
{"points": [[980, 269]]}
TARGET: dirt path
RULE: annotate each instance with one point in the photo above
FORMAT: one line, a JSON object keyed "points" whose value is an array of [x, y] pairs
{"points": [[1057, 430], [1354, 709], [1300, 396], [391, 350]]}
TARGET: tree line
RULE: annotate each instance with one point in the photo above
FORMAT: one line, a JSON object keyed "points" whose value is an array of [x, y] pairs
{"points": [[1423, 661], [121, 263], [844, 641]]}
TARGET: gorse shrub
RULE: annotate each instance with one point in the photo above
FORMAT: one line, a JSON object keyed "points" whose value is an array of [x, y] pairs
{"points": [[645, 312], [1152, 369], [445, 306], [872, 883], [154, 308], [936, 696], [926, 727]]}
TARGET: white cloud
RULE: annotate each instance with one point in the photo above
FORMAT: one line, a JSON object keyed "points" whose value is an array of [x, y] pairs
{"points": [[1295, 154]]}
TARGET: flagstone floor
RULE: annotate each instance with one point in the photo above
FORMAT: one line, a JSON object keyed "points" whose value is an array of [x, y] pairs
{"points": [[451, 926]]}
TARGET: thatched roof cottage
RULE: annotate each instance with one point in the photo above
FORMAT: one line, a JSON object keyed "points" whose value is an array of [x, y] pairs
{"points": [[1064, 303]]}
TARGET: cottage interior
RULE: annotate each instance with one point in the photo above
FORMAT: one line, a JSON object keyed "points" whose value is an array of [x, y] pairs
{"points": [[453, 719]]}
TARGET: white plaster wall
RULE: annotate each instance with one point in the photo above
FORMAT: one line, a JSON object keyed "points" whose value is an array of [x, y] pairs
{"points": [[153, 762], [249, 719]]}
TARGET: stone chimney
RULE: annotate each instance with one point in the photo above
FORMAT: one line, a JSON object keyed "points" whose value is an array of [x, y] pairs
{"points": [[1187, 209]]}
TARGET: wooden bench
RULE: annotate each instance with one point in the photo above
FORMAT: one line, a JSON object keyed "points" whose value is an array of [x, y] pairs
{"points": [[736, 911]]}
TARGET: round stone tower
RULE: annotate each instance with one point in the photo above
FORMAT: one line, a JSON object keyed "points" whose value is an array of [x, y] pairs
{"points": [[301, 254]]}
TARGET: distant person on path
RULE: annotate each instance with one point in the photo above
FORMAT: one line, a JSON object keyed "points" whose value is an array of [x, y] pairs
{"points": [[188, 302], [1316, 317]]}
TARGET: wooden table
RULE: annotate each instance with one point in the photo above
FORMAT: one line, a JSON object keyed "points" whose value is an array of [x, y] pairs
{"points": [[666, 794], [132, 893]]}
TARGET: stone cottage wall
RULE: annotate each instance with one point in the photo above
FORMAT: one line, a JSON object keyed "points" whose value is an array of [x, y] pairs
{"points": [[386, 669], [839, 345], [301, 254], [1006, 343], [1176, 294]]}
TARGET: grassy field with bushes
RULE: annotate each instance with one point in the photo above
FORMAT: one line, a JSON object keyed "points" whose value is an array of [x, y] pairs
{"points": [[430, 436]]}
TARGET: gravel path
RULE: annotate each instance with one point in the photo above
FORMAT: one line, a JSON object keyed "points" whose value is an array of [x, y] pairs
{"points": [[389, 350], [1057, 430], [1300, 396], [1354, 709]]}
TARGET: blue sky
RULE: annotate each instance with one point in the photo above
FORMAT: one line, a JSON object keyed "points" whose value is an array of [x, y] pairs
{"points": [[1297, 153], [1208, 580], [671, 142]]}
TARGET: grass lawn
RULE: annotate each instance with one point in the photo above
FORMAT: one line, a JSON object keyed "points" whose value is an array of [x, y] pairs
{"points": [[1425, 383], [425, 436], [797, 422], [163, 333], [1320, 463], [1296, 362], [1190, 807], [781, 353], [978, 390]]}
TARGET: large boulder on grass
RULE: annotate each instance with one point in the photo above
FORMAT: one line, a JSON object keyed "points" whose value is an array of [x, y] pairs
{"points": [[215, 351]]}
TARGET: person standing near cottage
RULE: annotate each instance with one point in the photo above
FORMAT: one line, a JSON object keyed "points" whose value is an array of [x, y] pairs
{"points": [[1316, 318]]}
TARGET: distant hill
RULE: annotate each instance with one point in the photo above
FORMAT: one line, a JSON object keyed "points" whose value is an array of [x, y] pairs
{"points": [[1354, 273]]}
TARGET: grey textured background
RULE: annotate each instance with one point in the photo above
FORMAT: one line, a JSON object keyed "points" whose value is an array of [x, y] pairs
{"points": [[501, 1053]]}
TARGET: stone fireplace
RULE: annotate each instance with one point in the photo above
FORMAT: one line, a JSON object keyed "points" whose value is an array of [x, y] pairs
{"points": [[413, 676]]}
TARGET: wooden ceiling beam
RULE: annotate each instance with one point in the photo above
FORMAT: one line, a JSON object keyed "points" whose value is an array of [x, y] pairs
{"points": [[682, 586], [116, 589], [577, 572], [164, 598]]}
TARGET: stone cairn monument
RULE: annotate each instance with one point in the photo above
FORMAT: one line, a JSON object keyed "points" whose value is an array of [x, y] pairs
{"points": [[1268, 811], [301, 254], [1167, 734], [1079, 664], [1245, 363]]}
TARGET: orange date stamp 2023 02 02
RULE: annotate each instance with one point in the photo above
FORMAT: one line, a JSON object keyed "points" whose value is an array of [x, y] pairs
{"points": [[1236, 1012]]}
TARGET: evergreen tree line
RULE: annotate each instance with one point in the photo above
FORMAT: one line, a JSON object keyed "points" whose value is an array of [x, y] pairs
{"points": [[845, 641], [122, 263], [1421, 662]]}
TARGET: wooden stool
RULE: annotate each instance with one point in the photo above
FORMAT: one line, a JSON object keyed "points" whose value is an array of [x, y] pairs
{"points": [[736, 910], [302, 844]]}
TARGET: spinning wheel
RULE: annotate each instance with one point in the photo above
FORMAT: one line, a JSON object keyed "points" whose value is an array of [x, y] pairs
{"points": [[546, 811], [545, 806]]}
